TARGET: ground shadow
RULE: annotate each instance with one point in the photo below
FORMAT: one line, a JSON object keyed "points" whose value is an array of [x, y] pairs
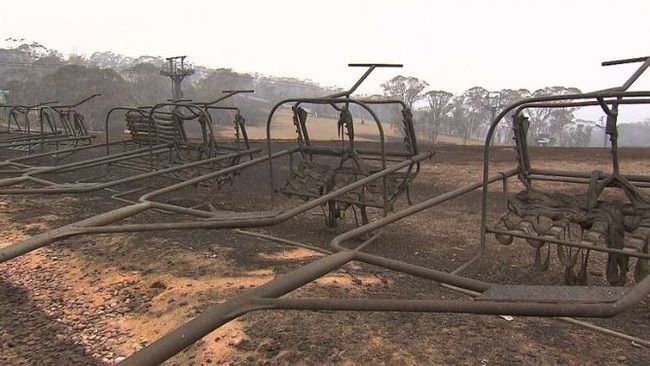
{"points": [[44, 336]]}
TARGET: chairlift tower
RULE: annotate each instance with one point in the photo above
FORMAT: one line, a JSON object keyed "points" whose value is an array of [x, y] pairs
{"points": [[178, 70]]}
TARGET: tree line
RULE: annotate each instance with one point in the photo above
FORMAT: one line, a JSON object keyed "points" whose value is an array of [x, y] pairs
{"points": [[469, 115], [34, 74]]}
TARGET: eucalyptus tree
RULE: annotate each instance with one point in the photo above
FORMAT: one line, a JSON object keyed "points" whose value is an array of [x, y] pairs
{"points": [[551, 121], [439, 103], [407, 89]]}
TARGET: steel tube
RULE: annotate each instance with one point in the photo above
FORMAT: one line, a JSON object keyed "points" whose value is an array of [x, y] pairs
{"points": [[570, 244], [587, 175], [431, 274]]}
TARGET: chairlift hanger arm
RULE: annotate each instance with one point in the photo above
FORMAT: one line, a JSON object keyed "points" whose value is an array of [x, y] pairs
{"points": [[192, 107], [356, 85], [60, 108], [374, 65], [625, 61], [634, 76], [229, 93], [43, 104], [385, 101], [84, 100]]}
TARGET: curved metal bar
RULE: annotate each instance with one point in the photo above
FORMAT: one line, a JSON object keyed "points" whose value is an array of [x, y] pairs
{"points": [[330, 99], [371, 67], [69, 106], [115, 109], [411, 131], [635, 75], [333, 99], [582, 103], [333, 102], [229, 93], [323, 101], [523, 308]]}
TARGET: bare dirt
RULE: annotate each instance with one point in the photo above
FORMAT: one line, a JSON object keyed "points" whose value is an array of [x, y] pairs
{"points": [[92, 300]]}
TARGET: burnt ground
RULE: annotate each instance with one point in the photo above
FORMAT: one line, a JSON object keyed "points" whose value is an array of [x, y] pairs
{"points": [[92, 300]]}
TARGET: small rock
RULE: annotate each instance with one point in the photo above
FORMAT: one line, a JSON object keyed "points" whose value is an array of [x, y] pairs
{"points": [[235, 342], [158, 285]]}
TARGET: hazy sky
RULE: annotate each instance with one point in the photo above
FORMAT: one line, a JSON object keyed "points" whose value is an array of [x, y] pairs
{"points": [[452, 44]]}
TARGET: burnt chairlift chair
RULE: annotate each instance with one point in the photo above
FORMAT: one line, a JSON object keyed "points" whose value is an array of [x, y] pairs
{"points": [[581, 225], [19, 123], [56, 127], [316, 169], [158, 146], [143, 134], [64, 137]]}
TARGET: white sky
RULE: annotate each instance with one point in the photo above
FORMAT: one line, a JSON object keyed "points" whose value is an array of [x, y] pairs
{"points": [[452, 44]]}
